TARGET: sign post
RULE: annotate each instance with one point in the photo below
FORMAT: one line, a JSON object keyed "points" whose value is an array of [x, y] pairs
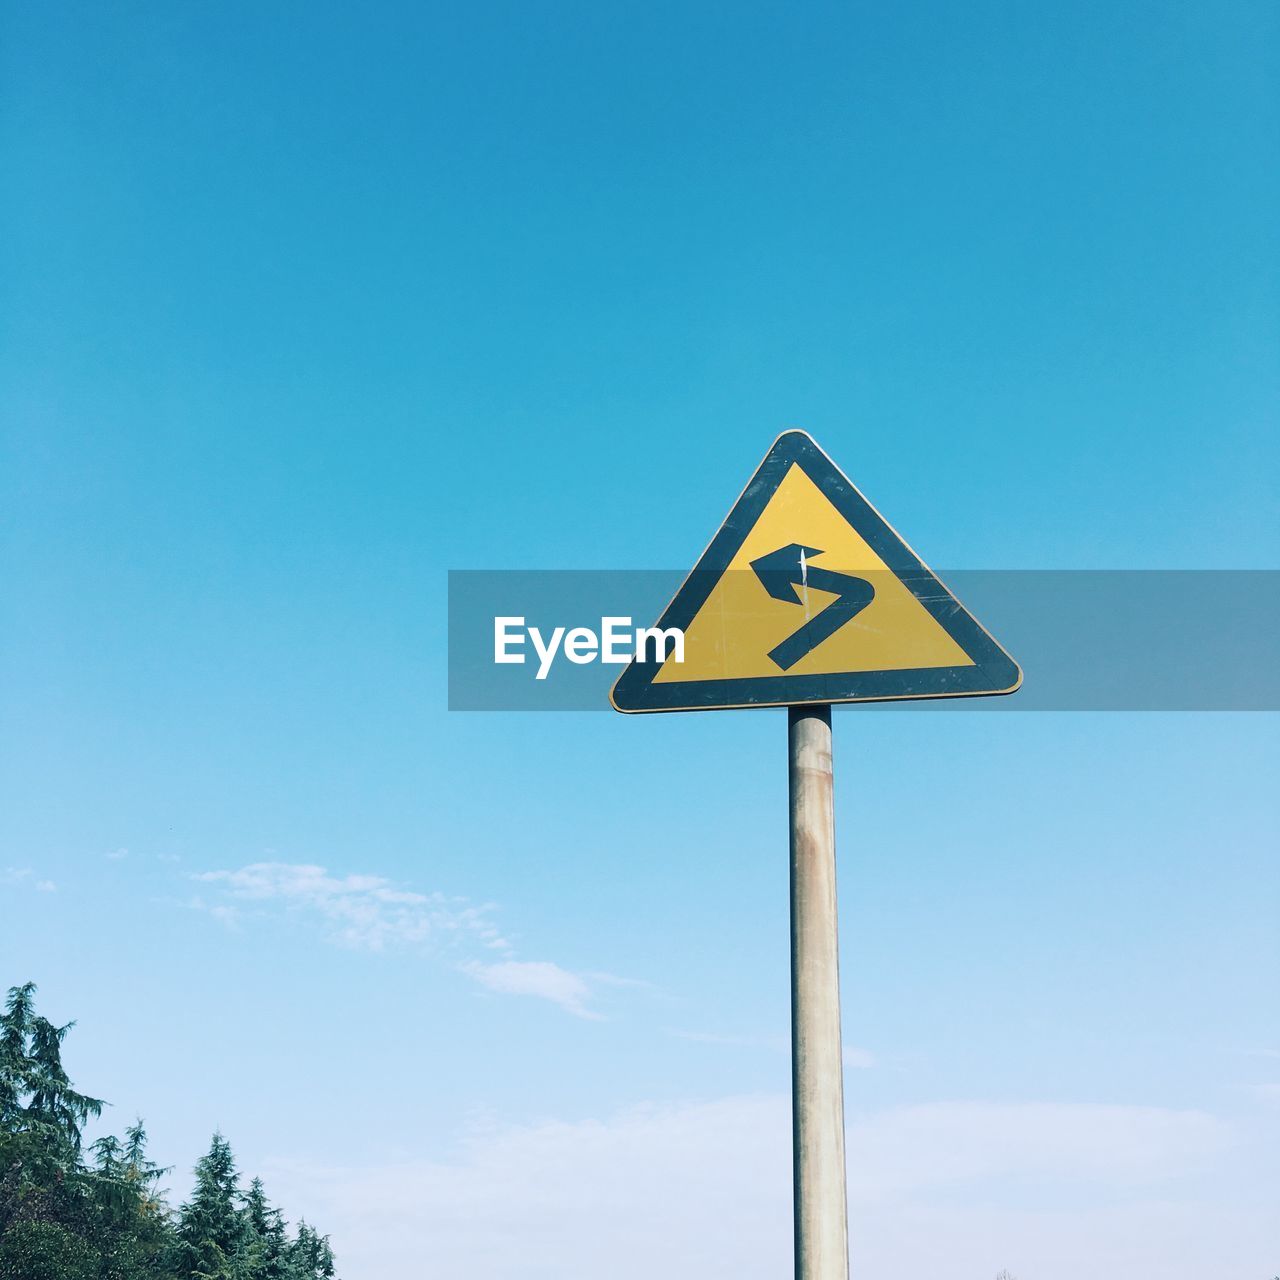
{"points": [[808, 596], [817, 1088]]}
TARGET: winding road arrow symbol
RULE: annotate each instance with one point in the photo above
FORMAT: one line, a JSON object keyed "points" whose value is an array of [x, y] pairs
{"points": [[783, 572]]}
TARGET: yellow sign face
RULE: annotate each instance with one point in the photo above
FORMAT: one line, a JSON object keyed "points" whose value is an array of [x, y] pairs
{"points": [[806, 594]]}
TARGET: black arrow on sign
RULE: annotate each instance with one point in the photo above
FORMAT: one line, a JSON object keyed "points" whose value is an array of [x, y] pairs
{"points": [[784, 571]]}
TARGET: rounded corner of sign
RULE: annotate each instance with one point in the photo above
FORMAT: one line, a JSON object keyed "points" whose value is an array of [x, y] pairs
{"points": [[618, 706], [1017, 679], [792, 437]]}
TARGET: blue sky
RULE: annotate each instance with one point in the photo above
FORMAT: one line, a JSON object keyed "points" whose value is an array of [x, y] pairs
{"points": [[306, 306]]}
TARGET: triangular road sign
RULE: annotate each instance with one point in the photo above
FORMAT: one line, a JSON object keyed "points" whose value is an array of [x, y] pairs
{"points": [[807, 594]]}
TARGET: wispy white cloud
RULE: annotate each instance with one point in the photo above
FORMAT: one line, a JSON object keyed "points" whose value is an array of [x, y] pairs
{"points": [[704, 1189], [228, 915], [116, 855], [360, 911], [370, 912], [970, 1142], [538, 978], [25, 876]]}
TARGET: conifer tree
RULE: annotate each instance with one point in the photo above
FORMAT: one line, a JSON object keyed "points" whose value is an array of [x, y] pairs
{"points": [[67, 1217], [133, 1221], [267, 1247], [310, 1255], [211, 1229]]}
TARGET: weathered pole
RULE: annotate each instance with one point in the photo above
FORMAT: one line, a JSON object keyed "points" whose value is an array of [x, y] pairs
{"points": [[817, 1088]]}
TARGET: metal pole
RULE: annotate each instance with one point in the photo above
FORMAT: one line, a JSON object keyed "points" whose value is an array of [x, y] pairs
{"points": [[817, 1087]]}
